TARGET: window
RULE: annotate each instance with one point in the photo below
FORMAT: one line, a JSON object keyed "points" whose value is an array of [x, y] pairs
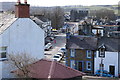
{"points": [[102, 52], [72, 64], [89, 55], [88, 65], [72, 52], [95, 54], [3, 52]]}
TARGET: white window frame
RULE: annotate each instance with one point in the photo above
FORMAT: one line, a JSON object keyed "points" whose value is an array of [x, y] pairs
{"points": [[89, 52], [3, 51], [102, 53], [72, 64], [88, 65], [72, 52]]}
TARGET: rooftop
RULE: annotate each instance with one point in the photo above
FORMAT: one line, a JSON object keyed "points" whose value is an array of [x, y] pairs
{"points": [[82, 42], [52, 69], [6, 19], [111, 44]]}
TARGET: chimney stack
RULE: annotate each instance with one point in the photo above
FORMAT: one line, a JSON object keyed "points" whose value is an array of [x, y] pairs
{"points": [[22, 9]]}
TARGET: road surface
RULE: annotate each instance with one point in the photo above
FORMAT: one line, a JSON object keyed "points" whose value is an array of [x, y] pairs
{"points": [[60, 42]]}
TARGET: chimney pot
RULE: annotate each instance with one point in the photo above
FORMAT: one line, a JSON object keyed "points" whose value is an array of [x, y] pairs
{"points": [[25, 1], [18, 2]]}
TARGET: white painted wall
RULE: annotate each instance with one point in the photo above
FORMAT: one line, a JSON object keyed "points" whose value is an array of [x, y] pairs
{"points": [[111, 58], [23, 36], [95, 31], [74, 28], [0, 62]]}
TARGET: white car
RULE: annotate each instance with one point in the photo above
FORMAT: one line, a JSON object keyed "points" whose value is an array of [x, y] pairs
{"points": [[60, 54], [62, 50], [48, 46], [57, 57], [51, 38], [55, 32]]}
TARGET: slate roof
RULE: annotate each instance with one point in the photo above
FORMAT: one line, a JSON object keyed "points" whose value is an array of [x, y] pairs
{"points": [[82, 42], [36, 20], [41, 17], [5, 21], [111, 44], [52, 69]]}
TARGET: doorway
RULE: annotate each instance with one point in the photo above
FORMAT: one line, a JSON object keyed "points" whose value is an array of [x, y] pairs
{"points": [[80, 66], [112, 70]]}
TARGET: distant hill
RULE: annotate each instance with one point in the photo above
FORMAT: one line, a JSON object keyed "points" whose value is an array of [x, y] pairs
{"points": [[9, 6], [93, 7]]}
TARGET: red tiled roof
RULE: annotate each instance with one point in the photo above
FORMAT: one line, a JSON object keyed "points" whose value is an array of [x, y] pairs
{"points": [[52, 69]]}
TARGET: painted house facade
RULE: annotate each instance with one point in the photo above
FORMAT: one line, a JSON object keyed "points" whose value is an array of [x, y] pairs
{"points": [[111, 61], [80, 53], [20, 35], [72, 27], [97, 31]]}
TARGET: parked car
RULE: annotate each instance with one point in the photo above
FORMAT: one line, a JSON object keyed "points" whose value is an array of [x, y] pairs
{"points": [[51, 38], [55, 32], [104, 73], [62, 50], [57, 58], [52, 35], [60, 54], [48, 46]]}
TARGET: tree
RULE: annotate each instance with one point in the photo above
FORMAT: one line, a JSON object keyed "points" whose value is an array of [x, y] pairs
{"points": [[55, 14], [103, 14], [57, 17], [22, 62]]}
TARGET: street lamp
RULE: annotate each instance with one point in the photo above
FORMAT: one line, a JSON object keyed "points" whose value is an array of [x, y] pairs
{"points": [[101, 50]]}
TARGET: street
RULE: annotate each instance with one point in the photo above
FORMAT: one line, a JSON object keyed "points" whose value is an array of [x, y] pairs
{"points": [[60, 42]]}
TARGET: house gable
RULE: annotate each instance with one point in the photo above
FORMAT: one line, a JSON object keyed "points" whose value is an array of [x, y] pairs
{"points": [[24, 35]]}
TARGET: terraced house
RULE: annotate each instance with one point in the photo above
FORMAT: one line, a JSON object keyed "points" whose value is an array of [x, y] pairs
{"points": [[80, 53]]}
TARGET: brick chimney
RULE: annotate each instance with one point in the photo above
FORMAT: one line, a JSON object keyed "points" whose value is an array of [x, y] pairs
{"points": [[22, 9]]}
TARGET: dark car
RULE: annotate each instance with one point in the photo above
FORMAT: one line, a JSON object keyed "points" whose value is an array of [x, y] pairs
{"points": [[104, 73]]}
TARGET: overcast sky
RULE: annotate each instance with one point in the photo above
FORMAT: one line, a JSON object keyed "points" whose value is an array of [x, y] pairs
{"points": [[67, 2]]}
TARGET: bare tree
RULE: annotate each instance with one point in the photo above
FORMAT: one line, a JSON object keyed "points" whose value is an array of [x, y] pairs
{"points": [[57, 17], [55, 14], [103, 14], [22, 62]]}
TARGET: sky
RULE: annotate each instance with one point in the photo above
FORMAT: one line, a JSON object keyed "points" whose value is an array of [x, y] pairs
{"points": [[67, 2]]}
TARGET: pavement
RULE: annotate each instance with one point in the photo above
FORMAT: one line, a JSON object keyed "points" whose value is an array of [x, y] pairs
{"points": [[60, 42], [98, 78]]}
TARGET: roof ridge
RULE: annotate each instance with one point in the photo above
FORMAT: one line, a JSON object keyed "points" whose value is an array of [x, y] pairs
{"points": [[52, 67], [42, 60]]}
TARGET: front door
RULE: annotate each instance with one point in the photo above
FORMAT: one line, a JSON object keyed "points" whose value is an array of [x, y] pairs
{"points": [[80, 66], [112, 70]]}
